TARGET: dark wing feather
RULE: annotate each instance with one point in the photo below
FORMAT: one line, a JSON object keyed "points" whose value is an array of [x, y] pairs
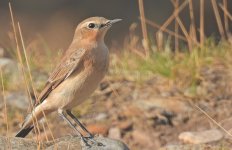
{"points": [[61, 72]]}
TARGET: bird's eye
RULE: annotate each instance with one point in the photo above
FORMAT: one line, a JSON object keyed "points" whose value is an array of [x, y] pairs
{"points": [[91, 25]]}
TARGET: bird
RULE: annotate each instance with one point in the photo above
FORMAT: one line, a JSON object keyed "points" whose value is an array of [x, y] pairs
{"points": [[76, 77]]}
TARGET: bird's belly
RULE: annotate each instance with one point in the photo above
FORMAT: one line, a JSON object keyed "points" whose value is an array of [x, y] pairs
{"points": [[76, 89]]}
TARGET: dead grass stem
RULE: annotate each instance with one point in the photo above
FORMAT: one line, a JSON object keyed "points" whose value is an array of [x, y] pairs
{"points": [[31, 80], [35, 122], [5, 111], [227, 13], [176, 5], [211, 119], [202, 23], [193, 33], [172, 17], [189, 39], [144, 28], [226, 21], [155, 25], [218, 18]]}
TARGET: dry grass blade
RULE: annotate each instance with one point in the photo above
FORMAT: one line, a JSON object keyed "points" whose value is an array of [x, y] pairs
{"points": [[214, 121], [189, 39], [27, 63], [5, 106], [202, 23], [192, 25], [15, 37], [226, 12], [29, 72], [170, 19], [144, 28], [226, 22], [22, 69], [176, 5], [160, 40], [5, 110], [48, 127], [155, 25], [45, 131], [218, 18]]}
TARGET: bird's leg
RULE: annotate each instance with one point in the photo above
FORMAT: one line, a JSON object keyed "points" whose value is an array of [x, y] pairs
{"points": [[79, 123], [63, 115]]}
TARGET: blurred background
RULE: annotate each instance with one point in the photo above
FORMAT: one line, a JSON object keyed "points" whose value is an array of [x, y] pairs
{"points": [[170, 77], [45, 18]]}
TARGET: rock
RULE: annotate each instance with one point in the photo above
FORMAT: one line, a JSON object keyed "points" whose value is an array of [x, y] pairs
{"points": [[160, 117], [114, 133], [11, 75], [101, 116], [8, 65], [207, 136], [170, 104], [19, 143], [189, 147], [18, 100], [7, 62], [68, 142]]}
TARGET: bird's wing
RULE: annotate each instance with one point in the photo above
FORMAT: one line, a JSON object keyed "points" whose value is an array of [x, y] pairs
{"points": [[62, 71]]}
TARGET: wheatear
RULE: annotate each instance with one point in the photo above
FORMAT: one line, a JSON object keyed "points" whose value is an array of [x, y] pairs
{"points": [[83, 66]]}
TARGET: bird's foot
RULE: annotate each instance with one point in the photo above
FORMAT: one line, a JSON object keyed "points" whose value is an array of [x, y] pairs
{"points": [[89, 140]]}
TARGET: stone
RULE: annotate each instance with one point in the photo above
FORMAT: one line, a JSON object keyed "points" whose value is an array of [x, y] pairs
{"points": [[18, 143], [11, 74], [8, 65], [171, 104], [17, 100], [189, 147], [68, 142], [114, 133], [101, 116], [202, 137]]}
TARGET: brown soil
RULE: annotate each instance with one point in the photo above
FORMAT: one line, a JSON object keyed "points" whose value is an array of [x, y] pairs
{"points": [[152, 114]]}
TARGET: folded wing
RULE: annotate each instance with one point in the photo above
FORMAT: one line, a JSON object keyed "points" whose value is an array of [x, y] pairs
{"points": [[68, 65]]}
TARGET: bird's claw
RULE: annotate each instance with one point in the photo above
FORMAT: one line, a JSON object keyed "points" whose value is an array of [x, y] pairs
{"points": [[89, 140]]}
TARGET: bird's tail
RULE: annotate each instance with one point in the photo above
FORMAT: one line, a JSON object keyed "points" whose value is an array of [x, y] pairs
{"points": [[24, 132], [26, 127], [28, 124]]}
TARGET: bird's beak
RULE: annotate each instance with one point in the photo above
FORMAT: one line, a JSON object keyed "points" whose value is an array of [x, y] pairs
{"points": [[111, 22], [114, 21]]}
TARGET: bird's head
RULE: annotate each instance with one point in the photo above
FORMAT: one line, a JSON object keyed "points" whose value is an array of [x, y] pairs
{"points": [[94, 28]]}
